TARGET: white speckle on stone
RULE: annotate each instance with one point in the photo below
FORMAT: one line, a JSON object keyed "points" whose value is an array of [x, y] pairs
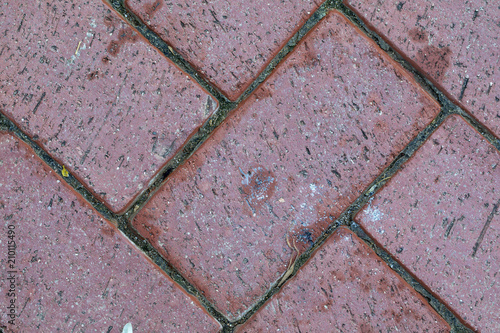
{"points": [[374, 213], [313, 188]]}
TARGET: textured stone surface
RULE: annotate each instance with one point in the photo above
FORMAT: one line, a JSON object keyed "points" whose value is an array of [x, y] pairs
{"points": [[95, 95], [439, 216], [345, 287], [75, 272], [288, 162], [229, 41], [456, 43]]}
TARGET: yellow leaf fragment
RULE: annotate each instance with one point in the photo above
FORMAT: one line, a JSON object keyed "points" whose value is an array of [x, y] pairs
{"points": [[64, 172], [78, 47], [293, 260]]}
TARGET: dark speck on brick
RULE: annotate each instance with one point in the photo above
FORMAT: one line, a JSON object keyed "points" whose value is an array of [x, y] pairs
{"points": [[306, 236]]}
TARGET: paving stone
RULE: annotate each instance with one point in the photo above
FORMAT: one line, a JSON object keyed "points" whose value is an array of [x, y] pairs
{"points": [[287, 162], [95, 95], [229, 42], [74, 271], [439, 216], [345, 287], [459, 52]]}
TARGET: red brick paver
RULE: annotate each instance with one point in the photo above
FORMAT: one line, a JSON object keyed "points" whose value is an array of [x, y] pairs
{"points": [[284, 164], [297, 153], [455, 43], [74, 272], [95, 95], [345, 287], [229, 42], [439, 217]]}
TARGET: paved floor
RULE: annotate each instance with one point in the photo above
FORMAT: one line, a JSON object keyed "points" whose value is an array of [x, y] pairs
{"points": [[248, 166]]}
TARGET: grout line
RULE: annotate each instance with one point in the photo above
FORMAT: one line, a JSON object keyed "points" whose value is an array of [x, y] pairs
{"points": [[448, 315], [484, 131], [424, 83], [447, 108], [171, 271], [128, 16], [311, 22], [4, 124], [225, 107], [345, 217], [226, 329], [119, 221], [185, 152], [122, 221], [8, 125]]}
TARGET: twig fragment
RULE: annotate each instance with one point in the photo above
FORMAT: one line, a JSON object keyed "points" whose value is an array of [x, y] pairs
{"points": [[291, 264]]}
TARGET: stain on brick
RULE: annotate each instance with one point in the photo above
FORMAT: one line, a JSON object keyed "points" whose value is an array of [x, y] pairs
{"points": [[228, 42], [257, 187], [347, 288], [418, 35], [148, 231], [459, 52], [150, 9], [127, 35], [68, 256], [97, 96], [434, 60], [286, 164], [93, 75], [438, 216], [108, 231]]}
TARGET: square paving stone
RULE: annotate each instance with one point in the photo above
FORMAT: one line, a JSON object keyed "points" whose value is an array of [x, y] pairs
{"points": [[229, 41], [345, 287], [439, 216], [70, 269], [288, 162], [455, 43], [93, 94]]}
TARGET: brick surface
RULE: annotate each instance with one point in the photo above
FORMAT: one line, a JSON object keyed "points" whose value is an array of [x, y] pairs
{"points": [[459, 52], [229, 42], [95, 95], [289, 161], [439, 217], [75, 272], [345, 287]]}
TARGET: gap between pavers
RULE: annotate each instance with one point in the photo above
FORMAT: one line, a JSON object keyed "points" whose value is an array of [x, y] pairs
{"points": [[71, 269], [269, 168], [456, 52], [92, 93], [439, 217]]}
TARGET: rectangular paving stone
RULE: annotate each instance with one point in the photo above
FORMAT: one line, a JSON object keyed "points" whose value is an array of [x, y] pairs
{"points": [[73, 270], [228, 42], [439, 216], [345, 287], [93, 94], [455, 43], [288, 162]]}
